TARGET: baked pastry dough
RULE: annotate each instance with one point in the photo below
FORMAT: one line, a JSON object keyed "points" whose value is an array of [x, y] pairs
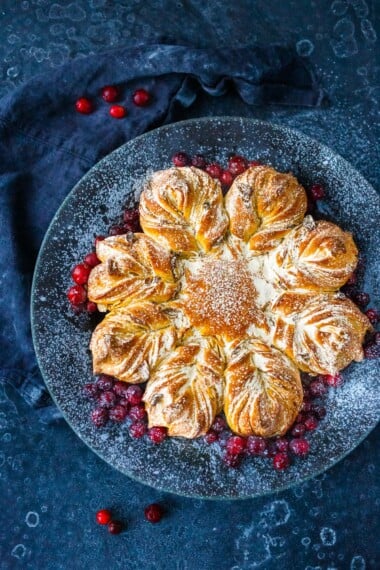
{"points": [[222, 301]]}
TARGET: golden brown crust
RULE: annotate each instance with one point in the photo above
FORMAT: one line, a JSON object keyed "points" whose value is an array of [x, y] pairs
{"points": [[263, 205], [263, 392], [182, 209], [322, 333], [133, 268], [315, 255], [185, 391], [131, 340]]}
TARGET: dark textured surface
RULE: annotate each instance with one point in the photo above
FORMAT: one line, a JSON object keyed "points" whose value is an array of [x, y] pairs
{"points": [[47, 470]]}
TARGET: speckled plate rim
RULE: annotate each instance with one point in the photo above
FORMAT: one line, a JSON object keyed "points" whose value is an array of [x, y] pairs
{"points": [[329, 462]]}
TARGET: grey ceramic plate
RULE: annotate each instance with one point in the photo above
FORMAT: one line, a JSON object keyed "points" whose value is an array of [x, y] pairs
{"points": [[61, 339]]}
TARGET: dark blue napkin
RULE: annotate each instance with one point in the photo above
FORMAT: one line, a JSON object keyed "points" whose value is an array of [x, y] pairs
{"points": [[46, 147]]}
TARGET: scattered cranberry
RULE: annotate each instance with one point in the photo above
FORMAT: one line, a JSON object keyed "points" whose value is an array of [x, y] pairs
{"points": [[137, 412], [157, 434], [199, 161], [256, 445], [124, 402], [118, 111], [134, 395], [99, 417], [115, 527], [219, 424], [299, 447], [90, 390], [84, 106], [317, 191], [132, 219], [77, 295], [271, 449], [306, 407], [333, 380], [91, 307], [311, 423], [237, 165], [281, 461], [317, 388], [120, 388], [298, 430], [224, 436], [211, 437], [103, 516], [153, 513], [141, 97], [118, 413], [232, 461], [318, 411], [80, 273], [110, 93], [253, 163], [373, 316], [282, 444], [138, 429], [117, 230], [181, 159], [91, 260], [226, 178], [105, 382], [300, 418], [107, 399], [352, 279], [306, 395], [236, 445], [98, 239], [372, 351], [214, 170], [361, 299]]}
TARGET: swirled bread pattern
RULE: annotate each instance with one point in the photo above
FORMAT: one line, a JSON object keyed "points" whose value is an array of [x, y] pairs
{"points": [[222, 301]]}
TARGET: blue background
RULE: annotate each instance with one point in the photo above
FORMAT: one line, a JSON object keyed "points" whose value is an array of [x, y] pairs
{"points": [[51, 484]]}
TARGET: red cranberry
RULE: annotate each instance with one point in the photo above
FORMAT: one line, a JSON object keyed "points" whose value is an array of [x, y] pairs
{"points": [[80, 273], [99, 417], [232, 461], [282, 444], [181, 159], [91, 307], [98, 239], [317, 388], [107, 399], [299, 447], [214, 170], [236, 445], [91, 260], [137, 412], [77, 295], [153, 513], [115, 527], [134, 395], [117, 230], [132, 218], [138, 429], [199, 161], [118, 111], [306, 395], [224, 436], [90, 390], [333, 380], [226, 178], [105, 382], [124, 402], [120, 388], [317, 191], [157, 434], [281, 461], [271, 449], [252, 163], [211, 437], [103, 516], [311, 423], [306, 407], [141, 97], [298, 430], [372, 315], [352, 279], [110, 93], [300, 418], [256, 445], [219, 424], [361, 299], [318, 411], [237, 165], [118, 413], [372, 351], [84, 106]]}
